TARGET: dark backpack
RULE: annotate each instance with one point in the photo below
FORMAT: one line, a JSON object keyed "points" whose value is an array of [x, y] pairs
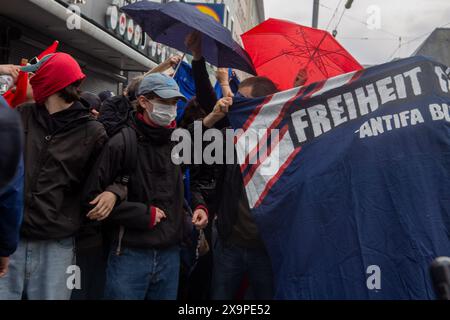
{"points": [[131, 149], [115, 115]]}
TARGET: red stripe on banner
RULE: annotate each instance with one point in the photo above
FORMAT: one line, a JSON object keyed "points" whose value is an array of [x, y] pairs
{"points": [[254, 151], [286, 107], [274, 180], [255, 167], [318, 87], [356, 76], [278, 120], [255, 113], [274, 124], [289, 103]]}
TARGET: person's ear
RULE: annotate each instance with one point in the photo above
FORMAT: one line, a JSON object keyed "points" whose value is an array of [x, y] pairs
{"points": [[144, 103]]}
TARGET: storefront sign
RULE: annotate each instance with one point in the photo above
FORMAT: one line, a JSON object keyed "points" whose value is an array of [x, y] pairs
{"points": [[124, 26], [216, 11]]}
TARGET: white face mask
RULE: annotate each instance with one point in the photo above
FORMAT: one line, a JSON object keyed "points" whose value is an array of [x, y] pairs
{"points": [[163, 114]]}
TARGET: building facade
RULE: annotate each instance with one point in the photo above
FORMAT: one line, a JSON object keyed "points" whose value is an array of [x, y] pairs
{"points": [[244, 15], [241, 15], [106, 42], [436, 46]]}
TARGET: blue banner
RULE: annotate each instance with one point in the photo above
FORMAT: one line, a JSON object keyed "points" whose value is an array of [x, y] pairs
{"points": [[350, 186]]}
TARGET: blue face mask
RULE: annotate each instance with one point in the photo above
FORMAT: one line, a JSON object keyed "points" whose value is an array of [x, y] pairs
{"points": [[163, 114]]}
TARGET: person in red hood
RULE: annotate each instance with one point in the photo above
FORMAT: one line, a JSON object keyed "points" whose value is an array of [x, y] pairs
{"points": [[62, 140]]}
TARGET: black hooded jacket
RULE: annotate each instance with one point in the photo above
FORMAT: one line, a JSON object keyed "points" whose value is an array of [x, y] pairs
{"points": [[156, 182], [59, 149]]}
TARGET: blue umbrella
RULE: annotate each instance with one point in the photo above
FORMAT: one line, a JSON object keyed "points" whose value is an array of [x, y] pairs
{"points": [[170, 23]]}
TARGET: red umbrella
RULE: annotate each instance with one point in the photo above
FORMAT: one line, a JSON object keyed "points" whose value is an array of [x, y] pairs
{"points": [[279, 49]]}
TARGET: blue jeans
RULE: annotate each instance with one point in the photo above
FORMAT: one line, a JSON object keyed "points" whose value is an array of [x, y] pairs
{"points": [[143, 274], [232, 262], [37, 270]]}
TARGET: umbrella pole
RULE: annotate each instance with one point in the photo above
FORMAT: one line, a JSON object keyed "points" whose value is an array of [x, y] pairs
{"points": [[178, 66]]}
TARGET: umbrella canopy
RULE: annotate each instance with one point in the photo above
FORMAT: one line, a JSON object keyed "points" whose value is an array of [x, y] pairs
{"points": [[170, 23], [279, 49]]}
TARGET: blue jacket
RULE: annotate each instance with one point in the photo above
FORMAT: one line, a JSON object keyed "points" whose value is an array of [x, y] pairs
{"points": [[11, 196], [11, 141], [11, 213]]}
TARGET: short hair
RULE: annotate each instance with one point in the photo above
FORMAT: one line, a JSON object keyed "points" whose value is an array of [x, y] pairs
{"points": [[261, 86], [133, 87], [71, 93], [149, 96]]}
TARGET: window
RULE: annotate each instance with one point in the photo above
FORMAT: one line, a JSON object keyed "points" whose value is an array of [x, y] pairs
{"points": [[226, 18]]}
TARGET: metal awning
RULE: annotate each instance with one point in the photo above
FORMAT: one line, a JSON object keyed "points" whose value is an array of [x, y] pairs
{"points": [[49, 17]]}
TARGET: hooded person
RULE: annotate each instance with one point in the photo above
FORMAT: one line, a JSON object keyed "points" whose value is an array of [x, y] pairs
{"points": [[146, 228], [61, 142], [93, 101], [105, 95]]}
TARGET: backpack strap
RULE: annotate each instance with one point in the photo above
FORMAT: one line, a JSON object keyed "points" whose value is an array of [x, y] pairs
{"points": [[26, 119], [131, 150]]}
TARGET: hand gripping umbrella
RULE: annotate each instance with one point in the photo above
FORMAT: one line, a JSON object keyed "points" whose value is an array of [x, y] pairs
{"points": [[170, 23]]}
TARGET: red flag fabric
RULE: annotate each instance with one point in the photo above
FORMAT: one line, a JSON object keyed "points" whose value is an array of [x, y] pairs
{"points": [[279, 49], [19, 96], [49, 50], [9, 97]]}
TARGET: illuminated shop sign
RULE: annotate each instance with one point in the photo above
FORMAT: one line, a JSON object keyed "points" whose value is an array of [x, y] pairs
{"points": [[122, 25]]}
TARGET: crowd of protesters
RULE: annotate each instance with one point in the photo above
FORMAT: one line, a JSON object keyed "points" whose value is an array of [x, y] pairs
{"points": [[87, 179]]}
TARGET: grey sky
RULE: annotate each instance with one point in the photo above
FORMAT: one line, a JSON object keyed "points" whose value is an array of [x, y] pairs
{"points": [[409, 19]]}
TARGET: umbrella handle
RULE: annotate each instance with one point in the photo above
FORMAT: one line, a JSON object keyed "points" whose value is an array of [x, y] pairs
{"points": [[178, 66]]}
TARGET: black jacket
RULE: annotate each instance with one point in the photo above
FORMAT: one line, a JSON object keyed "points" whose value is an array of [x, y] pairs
{"points": [[59, 149], [114, 114], [204, 91], [222, 185], [156, 182], [222, 188], [204, 177]]}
